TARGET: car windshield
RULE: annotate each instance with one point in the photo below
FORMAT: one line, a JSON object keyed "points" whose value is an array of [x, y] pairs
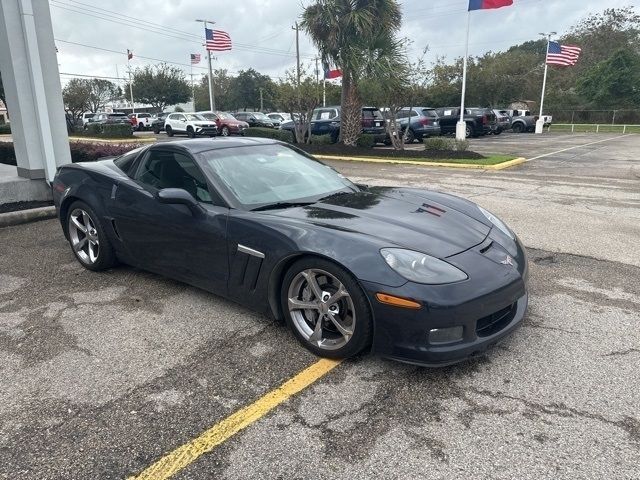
{"points": [[208, 116], [261, 116], [225, 116], [193, 116], [267, 174]]}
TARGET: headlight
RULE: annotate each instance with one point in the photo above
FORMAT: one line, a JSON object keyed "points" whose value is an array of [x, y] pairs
{"points": [[497, 222], [421, 268]]}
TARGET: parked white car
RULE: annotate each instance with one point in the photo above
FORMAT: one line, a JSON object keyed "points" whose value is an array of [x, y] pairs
{"points": [[86, 116], [190, 124], [141, 121]]}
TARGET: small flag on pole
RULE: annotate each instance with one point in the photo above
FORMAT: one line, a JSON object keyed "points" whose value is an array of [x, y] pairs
{"points": [[195, 58], [488, 4], [217, 40], [563, 55], [129, 54], [329, 74]]}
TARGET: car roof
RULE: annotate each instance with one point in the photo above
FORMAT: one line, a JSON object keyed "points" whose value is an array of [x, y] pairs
{"points": [[203, 145]]}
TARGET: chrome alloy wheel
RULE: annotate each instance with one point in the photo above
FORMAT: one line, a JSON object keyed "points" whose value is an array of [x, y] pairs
{"points": [[321, 309], [84, 236]]}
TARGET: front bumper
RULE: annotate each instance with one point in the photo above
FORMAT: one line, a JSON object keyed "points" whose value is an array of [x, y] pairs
{"points": [[207, 130], [489, 306]]}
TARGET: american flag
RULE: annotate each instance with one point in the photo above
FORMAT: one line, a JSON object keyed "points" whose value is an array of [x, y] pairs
{"points": [[565, 55], [195, 58], [217, 40]]}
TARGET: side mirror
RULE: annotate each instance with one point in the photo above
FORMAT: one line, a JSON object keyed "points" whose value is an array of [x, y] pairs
{"points": [[179, 196]]}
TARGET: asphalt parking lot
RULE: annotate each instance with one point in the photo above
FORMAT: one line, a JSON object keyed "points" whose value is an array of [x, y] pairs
{"points": [[103, 374]]}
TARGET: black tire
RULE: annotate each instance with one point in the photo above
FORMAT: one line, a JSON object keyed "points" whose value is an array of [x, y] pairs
{"points": [[191, 132], [140, 127], [518, 128], [498, 131], [106, 257], [410, 136], [363, 326], [169, 131], [469, 131], [156, 130]]}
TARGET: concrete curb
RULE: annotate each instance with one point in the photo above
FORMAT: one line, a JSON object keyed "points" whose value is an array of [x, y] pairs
{"points": [[113, 140], [499, 166], [24, 216]]}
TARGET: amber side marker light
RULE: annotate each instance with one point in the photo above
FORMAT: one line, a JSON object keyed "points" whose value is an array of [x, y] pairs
{"points": [[397, 301]]}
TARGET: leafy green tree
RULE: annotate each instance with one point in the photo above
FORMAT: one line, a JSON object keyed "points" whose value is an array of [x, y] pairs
{"points": [[299, 100], [160, 85], [100, 93], [223, 85], [614, 82], [75, 96], [359, 37], [246, 90]]}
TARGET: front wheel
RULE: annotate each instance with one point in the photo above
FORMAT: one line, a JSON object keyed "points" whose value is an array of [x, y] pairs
{"points": [[224, 132], [469, 131], [169, 131], [88, 239], [191, 132], [326, 309], [410, 136]]}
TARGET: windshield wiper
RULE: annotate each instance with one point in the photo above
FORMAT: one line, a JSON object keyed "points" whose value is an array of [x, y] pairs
{"points": [[277, 205]]}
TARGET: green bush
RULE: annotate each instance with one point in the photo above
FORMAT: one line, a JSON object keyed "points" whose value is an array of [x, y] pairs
{"points": [[109, 130], [439, 143], [5, 129], [461, 145], [321, 139], [366, 140], [7, 154], [282, 135], [80, 151]]}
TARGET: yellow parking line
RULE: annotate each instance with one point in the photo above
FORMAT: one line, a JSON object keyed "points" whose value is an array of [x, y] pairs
{"points": [[186, 454]]}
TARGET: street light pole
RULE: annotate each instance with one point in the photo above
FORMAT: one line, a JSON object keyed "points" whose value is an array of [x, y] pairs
{"points": [[540, 122], [212, 98]]}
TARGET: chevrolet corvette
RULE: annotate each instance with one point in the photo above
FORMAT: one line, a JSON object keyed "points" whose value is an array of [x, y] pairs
{"points": [[409, 274]]}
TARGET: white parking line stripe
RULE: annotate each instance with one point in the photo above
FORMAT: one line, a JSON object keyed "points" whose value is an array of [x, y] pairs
{"points": [[574, 147]]}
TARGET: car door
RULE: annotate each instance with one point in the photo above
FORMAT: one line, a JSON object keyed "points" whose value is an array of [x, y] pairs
{"points": [[170, 239]]}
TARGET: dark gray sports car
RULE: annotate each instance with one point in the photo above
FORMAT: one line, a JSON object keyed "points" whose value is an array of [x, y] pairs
{"points": [[414, 275]]}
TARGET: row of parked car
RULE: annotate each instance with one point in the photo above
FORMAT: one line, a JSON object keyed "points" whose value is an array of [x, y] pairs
{"points": [[417, 122]]}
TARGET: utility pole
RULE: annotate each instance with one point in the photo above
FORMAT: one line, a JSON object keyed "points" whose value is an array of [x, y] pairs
{"points": [[540, 122], [133, 108], [297, 29], [317, 80], [261, 104], [212, 98]]}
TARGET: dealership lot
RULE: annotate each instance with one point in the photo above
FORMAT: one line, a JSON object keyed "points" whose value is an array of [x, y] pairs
{"points": [[103, 374]]}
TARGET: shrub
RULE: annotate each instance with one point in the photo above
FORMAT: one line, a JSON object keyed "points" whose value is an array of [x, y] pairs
{"points": [[5, 129], [80, 151], [113, 130], [321, 139], [282, 135], [461, 145], [366, 140], [438, 143]]}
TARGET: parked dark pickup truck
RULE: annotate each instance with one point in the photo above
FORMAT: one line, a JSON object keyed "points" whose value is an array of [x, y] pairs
{"points": [[326, 121], [479, 120]]}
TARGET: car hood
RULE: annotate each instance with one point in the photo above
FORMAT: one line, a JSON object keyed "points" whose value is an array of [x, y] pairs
{"points": [[234, 123], [429, 222]]}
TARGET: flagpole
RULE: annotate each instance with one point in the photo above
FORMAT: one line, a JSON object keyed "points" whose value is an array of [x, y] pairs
{"points": [[193, 87], [461, 126], [212, 98], [133, 108], [540, 122], [324, 92]]}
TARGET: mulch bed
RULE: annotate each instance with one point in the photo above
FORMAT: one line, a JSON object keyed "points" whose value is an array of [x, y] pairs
{"points": [[17, 206], [337, 150]]}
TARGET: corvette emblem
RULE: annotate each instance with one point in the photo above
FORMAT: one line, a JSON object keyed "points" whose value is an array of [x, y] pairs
{"points": [[507, 261]]}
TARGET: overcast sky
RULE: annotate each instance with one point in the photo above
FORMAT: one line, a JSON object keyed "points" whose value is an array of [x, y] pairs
{"points": [[262, 30]]}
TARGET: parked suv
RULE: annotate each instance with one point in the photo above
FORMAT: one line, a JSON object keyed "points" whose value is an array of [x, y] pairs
{"points": [[227, 124], [108, 119], [479, 120], [326, 121], [255, 119], [140, 121], [423, 123], [189, 123]]}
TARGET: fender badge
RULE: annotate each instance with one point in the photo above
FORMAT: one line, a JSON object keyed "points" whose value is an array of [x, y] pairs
{"points": [[507, 261]]}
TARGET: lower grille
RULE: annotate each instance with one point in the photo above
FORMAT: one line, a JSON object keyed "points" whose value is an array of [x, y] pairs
{"points": [[495, 322]]}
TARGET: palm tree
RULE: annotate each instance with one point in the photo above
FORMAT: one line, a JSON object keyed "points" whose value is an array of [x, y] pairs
{"points": [[359, 37]]}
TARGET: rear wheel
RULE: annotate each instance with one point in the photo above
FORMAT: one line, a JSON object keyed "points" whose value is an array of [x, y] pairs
{"points": [[410, 136], [88, 239], [518, 128], [169, 131], [140, 127], [326, 309]]}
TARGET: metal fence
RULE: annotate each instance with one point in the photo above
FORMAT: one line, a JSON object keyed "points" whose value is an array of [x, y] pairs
{"points": [[602, 117], [593, 128]]}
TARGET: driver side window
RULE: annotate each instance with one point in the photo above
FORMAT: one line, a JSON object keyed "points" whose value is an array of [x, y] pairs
{"points": [[164, 169]]}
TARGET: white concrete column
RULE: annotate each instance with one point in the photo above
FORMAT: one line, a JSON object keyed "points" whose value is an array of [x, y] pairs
{"points": [[31, 80]]}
